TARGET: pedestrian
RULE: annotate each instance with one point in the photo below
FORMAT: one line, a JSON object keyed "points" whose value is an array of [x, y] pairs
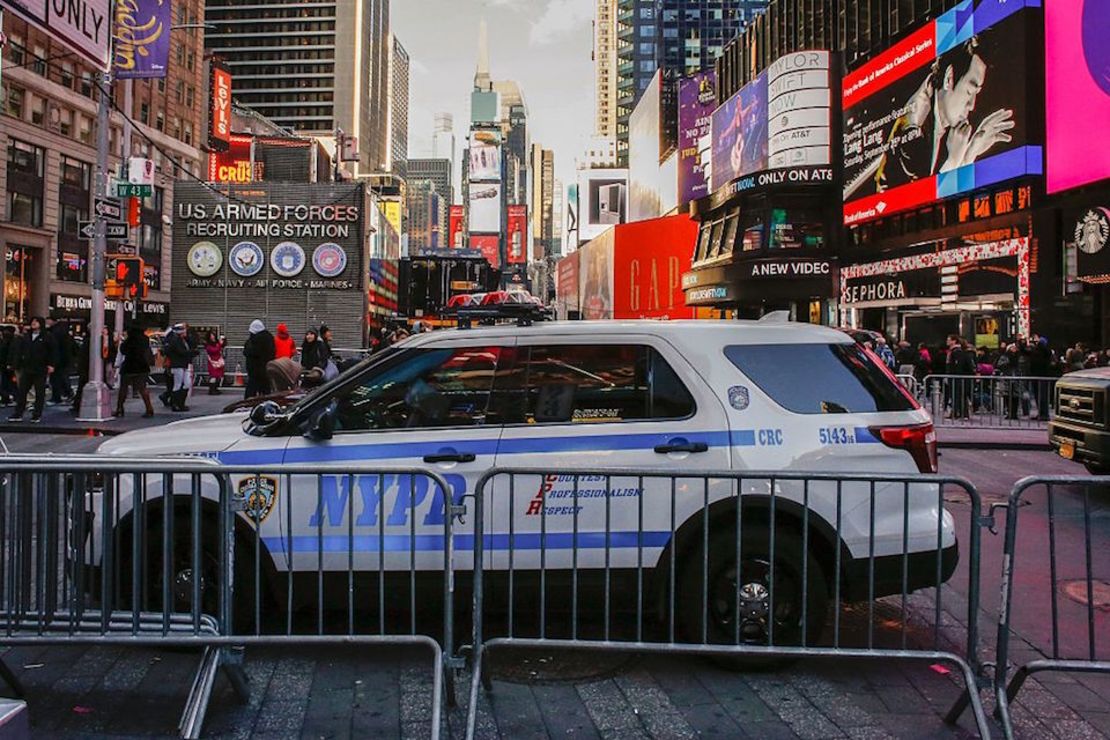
{"points": [[960, 364], [214, 349], [109, 348], [81, 358], [60, 390], [885, 354], [258, 350], [284, 374], [135, 369], [180, 354], [314, 357], [1076, 358], [284, 345], [1009, 366], [7, 346], [34, 362]]}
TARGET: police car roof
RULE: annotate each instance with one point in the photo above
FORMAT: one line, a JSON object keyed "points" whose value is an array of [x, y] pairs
{"points": [[680, 333]]}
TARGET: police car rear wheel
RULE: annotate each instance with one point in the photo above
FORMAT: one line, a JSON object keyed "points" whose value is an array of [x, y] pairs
{"points": [[753, 590]]}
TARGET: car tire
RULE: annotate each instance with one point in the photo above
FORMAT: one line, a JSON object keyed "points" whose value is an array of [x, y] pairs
{"points": [[719, 604]]}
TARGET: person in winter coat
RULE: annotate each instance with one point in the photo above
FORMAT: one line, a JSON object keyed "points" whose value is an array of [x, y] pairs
{"points": [[180, 353], [60, 390], [34, 362], [1008, 365], [217, 365], [284, 345], [8, 340], [258, 350], [133, 373], [961, 362]]}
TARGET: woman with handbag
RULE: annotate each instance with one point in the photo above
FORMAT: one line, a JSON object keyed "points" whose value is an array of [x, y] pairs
{"points": [[135, 369], [214, 347]]}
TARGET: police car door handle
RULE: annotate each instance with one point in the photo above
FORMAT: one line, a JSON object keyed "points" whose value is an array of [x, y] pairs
{"points": [[681, 446], [450, 457]]}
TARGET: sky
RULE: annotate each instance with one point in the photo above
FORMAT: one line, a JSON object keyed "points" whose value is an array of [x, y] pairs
{"points": [[544, 45]]}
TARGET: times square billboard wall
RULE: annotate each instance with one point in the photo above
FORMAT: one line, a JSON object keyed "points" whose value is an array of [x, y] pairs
{"points": [[1077, 91], [696, 101], [279, 252], [644, 131], [777, 128], [942, 112], [634, 271]]}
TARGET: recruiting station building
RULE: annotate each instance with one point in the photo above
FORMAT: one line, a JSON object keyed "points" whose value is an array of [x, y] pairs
{"points": [[768, 228], [280, 252]]}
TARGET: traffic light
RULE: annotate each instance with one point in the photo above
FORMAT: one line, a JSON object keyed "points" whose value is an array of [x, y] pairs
{"points": [[134, 210], [129, 277]]}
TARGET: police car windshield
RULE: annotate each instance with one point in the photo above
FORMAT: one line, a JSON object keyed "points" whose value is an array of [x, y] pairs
{"points": [[324, 390]]}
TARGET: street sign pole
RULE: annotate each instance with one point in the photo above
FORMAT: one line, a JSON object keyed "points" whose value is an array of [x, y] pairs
{"points": [[94, 397], [128, 107]]}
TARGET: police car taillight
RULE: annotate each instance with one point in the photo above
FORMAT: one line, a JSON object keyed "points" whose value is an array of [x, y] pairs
{"points": [[919, 440]]}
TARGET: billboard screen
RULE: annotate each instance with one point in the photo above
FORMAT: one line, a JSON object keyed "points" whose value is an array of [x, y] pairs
{"points": [[696, 101], [485, 156], [1077, 90], [455, 228], [485, 208], [517, 235], [643, 152], [740, 134], [940, 113], [649, 260], [602, 201], [595, 278], [490, 247], [566, 284], [219, 117]]}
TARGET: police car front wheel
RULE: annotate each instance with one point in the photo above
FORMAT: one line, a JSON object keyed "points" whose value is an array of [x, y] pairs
{"points": [[753, 604]]}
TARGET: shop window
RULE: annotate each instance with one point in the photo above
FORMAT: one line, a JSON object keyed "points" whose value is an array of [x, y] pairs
{"points": [[18, 269], [752, 237], [715, 239], [24, 209], [796, 228], [728, 239], [701, 251]]}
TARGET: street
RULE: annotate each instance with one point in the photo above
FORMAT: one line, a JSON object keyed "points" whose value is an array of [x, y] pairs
{"points": [[341, 692]]}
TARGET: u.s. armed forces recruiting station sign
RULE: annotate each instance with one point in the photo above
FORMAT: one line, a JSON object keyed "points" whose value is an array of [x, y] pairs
{"points": [[280, 252]]}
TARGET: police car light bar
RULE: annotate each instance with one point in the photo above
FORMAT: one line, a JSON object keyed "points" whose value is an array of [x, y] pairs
{"points": [[522, 314]]}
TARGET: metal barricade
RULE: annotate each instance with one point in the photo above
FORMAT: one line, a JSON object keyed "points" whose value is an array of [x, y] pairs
{"points": [[911, 384], [235, 365], [192, 553], [757, 566], [1066, 598], [989, 401]]}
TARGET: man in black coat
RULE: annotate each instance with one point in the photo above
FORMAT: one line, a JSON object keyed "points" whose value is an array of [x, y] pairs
{"points": [[180, 353], [60, 390], [34, 362], [961, 362], [258, 350], [7, 347]]}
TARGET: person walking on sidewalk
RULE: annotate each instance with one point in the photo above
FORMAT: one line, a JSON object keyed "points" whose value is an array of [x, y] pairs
{"points": [[34, 362], [180, 355], [214, 348], [137, 360], [258, 350], [8, 339], [284, 345], [60, 390]]}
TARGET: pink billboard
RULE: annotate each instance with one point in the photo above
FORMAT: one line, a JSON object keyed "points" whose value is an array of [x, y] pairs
{"points": [[1077, 90]]}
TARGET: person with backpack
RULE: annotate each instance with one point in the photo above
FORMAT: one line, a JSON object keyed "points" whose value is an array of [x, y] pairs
{"points": [[180, 354]]}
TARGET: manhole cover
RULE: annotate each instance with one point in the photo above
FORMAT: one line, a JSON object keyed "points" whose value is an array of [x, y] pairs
{"points": [[553, 667], [1100, 593]]}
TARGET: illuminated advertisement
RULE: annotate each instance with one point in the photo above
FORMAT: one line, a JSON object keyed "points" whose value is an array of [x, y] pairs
{"points": [[485, 208], [490, 247], [566, 284], [643, 152], [602, 201], [696, 101], [940, 113], [219, 117], [455, 230], [740, 134], [517, 235], [649, 259], [485, 156], [1077, 90], [596, 277], [234, 165]]}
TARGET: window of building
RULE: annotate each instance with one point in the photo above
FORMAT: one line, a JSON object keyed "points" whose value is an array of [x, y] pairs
{"points": [[38, 63], [15, 102], [189, 97], [75, 173], [84, 129], [17, 52], [66, 74], [87, 84], [24, 209], [65, 122], [144, 112], [38, 109], [160, 121], [179, 91]]}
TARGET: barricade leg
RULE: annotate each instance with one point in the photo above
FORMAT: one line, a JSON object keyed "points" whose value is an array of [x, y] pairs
{"points": [[232, 663], [10, 679], [196, 706]]}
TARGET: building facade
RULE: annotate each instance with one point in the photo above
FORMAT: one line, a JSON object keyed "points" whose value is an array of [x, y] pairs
{"points": [[542, 170], [312, 69], [427, 216], [48, 132], [398, 108], [437, 173], [605, 69]]}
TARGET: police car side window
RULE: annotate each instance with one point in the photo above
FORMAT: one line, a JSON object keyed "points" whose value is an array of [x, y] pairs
{"points": [[590, 383], [423, 388]]}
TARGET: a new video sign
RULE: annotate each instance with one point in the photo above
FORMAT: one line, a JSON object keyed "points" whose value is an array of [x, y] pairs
{"points": [[940, 113], [82, 24], [779, 121]]}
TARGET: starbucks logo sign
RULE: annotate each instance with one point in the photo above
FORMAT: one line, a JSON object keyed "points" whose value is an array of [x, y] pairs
{"points": [[1092, 231]]}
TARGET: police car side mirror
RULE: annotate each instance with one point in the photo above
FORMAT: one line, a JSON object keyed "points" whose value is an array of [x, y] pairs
{"points": [[323, 428], [264, 413]]}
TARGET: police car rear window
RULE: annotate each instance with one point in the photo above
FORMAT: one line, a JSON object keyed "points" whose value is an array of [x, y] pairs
{"points": [[819, 378]]}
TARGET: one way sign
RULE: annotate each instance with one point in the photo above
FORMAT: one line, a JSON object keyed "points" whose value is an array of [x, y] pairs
{"points": [[106, 208], [116, 230]]}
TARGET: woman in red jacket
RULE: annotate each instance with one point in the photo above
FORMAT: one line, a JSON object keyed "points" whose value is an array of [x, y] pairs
{"points": [[284, 344]]}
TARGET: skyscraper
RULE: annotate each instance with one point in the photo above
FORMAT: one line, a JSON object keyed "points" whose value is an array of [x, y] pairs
{"points": [[542, 171], [680, 36], [605, 68], [321, 68], [398, 107]]}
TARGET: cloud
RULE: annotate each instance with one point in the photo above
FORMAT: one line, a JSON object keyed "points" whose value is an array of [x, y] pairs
{"points": [[559, 18]]}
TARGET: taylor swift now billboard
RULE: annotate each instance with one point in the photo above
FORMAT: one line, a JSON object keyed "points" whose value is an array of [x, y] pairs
{"points": [[942, 112], [1077, 91]]}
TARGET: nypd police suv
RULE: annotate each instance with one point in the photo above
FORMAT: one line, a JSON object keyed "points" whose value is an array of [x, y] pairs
{"points": [[678, 397]]}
